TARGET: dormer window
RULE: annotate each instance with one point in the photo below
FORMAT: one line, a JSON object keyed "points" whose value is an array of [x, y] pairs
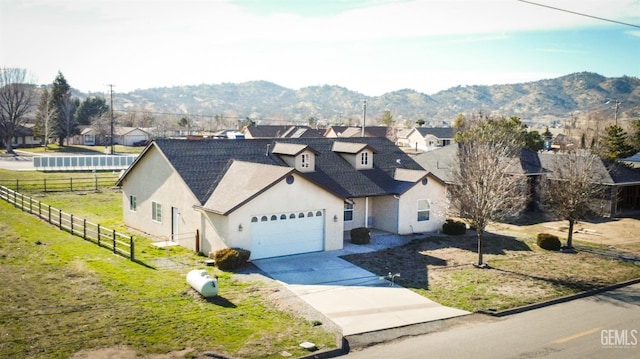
{"points": [[358, 154], [298, 156]]}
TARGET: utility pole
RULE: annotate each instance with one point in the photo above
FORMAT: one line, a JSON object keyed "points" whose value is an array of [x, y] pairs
{"points": [[617, 102], [364, 117], [111, 107]]}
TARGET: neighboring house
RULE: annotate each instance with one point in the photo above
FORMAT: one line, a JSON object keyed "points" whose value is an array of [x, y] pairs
{"points": [[278, 131], [633, 161], [127, 136], [23, 137], [430, 138], [278, 197], [356, 131], [623, 183]]}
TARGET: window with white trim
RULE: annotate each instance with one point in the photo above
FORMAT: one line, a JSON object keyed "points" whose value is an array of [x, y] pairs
{"points": [[423, 210], [348, 212], [364, 158], [304, 160], [156, 211]]}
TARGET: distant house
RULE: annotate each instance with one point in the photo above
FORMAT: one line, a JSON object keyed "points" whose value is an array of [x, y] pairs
{"points": [[23, 137], [127, 136], [623, 183], [430, 138], [278, 196], [355, 131], [278, 131]]}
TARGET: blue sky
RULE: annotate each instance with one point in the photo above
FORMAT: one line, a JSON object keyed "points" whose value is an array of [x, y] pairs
{"points": [[369, 46]]}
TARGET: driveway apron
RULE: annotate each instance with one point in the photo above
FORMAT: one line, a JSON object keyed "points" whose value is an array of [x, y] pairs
{"points": [[356, 300]]}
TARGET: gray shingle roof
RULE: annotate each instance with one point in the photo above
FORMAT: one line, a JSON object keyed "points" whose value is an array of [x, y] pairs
{"points": [[202, 164]]}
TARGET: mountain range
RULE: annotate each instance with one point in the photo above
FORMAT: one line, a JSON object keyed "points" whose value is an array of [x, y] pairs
{"points": [[540, 102]]}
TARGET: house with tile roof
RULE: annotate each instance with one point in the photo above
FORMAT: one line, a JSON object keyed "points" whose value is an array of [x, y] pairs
{"points": [[278, 196], [430, 138]]}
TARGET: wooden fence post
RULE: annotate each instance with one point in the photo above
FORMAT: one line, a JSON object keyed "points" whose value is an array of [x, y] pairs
{"points": [[71, 222], [114, 241], [98, 235], [131, 248], [84, 229], [49, 210], [60, 219]]}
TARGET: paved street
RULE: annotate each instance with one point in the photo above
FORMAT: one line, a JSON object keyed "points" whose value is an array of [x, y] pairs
{"points": [[602, 326]]}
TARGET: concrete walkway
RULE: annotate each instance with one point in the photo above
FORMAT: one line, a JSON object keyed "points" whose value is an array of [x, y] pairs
{"points": [[356, 300]]}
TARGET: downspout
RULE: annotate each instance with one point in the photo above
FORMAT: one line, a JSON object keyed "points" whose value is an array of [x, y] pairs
{"points": [[366, 212]]}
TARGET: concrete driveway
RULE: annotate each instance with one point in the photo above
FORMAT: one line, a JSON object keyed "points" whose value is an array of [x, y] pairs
{"points": [[356, 300]]}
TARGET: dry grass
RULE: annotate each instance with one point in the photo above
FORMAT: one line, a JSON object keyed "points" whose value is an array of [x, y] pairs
{"points": [[441, 269]]}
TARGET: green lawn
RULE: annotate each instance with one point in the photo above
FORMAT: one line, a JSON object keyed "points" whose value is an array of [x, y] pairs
{"points": [[62, 294]]}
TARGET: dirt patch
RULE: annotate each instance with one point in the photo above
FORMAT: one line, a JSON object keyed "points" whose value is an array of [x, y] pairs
{"points": [[126, 353], [441, 267]]}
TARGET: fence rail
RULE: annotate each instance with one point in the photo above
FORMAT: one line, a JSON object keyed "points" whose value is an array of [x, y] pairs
{"points": [[60, 184], [119, 243]]}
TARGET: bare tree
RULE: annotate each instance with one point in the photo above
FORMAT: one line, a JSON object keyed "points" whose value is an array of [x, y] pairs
{"points": [[44, 118], [486, 186], [102, 127], [67, 108], [573, 189], [16, 100]]}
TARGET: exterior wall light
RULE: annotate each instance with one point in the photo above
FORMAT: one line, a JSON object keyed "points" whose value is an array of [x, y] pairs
{"points": [[335, 218], [240, 227]]}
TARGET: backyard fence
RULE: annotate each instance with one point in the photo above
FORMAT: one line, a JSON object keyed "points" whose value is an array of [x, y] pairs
{"points": [[61, 184], [119, 243]]}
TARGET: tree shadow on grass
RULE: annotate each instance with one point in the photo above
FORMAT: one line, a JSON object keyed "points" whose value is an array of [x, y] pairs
{"points": [[492, 243]]}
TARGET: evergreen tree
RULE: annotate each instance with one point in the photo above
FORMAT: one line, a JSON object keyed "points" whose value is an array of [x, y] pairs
{"points": [[614, 144], [634, 135], [63, 122], [90, 108]]}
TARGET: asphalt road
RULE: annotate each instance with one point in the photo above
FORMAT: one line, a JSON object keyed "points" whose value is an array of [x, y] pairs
{"points": [[601, 326]]}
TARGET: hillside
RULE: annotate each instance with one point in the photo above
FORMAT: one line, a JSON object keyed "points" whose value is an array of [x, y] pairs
{"points": [[540, 102]]}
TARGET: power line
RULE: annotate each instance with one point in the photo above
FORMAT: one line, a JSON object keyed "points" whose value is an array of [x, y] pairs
{"points": [[580, 14]]}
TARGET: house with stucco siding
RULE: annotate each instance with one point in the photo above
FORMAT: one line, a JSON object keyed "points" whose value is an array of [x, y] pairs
{"points": [[277, 196]]}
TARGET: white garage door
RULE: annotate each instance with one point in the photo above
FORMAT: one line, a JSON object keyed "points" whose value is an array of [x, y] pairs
{"points": [[275, 235]]}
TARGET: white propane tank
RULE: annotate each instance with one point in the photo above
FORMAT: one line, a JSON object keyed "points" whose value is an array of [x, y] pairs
{"points": [[202, 282]]}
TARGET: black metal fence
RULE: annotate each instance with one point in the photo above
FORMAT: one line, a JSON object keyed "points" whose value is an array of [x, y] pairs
{"points": [[119, 243]]}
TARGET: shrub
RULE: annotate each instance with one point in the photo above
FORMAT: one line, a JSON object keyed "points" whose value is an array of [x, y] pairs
{"points": [[454, 227], [360, 235], [548, 241], [231, 258]]}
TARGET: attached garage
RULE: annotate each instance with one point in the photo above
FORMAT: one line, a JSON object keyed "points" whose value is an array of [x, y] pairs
{"points": [[281, 234]]}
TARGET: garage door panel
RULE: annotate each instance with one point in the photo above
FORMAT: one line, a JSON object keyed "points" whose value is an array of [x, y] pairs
{"points": [[287, 236]]}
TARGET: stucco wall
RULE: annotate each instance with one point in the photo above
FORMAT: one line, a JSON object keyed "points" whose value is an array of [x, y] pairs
{"points": [[384, 211], [153, 180], [433, 191]]}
